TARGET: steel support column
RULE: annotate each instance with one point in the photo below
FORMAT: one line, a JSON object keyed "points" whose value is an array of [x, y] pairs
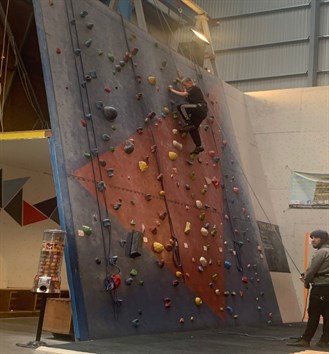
{"points": [[314, 43]]}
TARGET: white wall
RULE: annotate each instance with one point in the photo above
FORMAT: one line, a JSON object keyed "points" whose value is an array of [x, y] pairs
{"points": [[20, 245], [255, 176], [291, 129]]}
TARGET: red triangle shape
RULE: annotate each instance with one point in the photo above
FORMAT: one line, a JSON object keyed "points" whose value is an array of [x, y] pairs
{"points": [[31, 214]]}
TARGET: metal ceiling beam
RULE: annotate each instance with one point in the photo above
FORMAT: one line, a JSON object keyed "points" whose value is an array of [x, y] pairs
{"points": [[314, 43]]}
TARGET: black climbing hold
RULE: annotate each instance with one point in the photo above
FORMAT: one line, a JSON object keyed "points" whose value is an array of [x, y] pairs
{"points": [[98, 261], [122, 63], [129, 281], [129, 147], [106, 223], [110, 113], [118, 68], [90, 25], [83, 13], [135, 322], [99, 104], [101, 186]]}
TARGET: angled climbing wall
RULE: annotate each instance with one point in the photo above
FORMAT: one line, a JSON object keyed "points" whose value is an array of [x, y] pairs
{"points": [[158, 239]]}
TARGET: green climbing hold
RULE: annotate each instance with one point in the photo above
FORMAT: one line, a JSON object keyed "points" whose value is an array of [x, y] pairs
{"points": [[88, 42], [133, 272], [87, 230], [110, 56]]}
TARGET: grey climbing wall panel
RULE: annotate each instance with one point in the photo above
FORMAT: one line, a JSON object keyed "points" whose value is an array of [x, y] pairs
{"points": [[158, 239]]}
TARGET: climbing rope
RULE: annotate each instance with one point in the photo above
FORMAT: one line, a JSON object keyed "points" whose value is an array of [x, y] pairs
{"points": [[96, 167]]}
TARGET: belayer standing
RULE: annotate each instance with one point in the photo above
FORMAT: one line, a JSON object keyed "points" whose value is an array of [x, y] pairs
{"points": [[194, 111], [317, 275]]}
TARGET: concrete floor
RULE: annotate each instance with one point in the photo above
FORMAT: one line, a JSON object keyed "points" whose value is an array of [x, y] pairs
{"points": [[244, 340]]}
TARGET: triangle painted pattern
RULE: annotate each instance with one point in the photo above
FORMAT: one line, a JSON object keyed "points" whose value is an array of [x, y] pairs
{"points": [[11, 200]]}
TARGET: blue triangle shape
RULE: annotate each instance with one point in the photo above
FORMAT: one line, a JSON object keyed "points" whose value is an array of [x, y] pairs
{"points": [[11, 188]]}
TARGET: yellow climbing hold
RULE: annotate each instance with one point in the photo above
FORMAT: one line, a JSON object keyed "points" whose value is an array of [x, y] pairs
{"points": [[188, 227], [172, 155], [158, 247], [162, 193], [143, 166], [198, 301], [179, 274], [152, 80], [198, 204], [165, 110]]}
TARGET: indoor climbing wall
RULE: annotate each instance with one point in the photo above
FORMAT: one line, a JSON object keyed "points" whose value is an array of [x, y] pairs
{"points": [[158, 239]]}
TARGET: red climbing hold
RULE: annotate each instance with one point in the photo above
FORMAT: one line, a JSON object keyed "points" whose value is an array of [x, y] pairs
{"points": [[58, 51]]}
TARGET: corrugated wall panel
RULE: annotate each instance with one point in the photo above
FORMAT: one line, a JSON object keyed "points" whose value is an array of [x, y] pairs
{"points": [[262, 62], [272, 84], [224, 8], [255, 30], [324, 19], [324, 54]]}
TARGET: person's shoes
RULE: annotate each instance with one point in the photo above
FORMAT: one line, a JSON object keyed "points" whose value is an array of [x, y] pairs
{"points": [[197, 150], [321, 344], [301, 342], [187, 128]]}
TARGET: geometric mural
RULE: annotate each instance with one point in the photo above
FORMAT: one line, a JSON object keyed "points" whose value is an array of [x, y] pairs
{"points": [[11, 201]]}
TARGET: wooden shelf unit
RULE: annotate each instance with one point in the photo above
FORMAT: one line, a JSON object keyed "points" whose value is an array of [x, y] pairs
{"points": [[21, 302]]}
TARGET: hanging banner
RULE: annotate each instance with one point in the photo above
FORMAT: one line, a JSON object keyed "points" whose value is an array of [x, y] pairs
{"points": [[309, 190]]}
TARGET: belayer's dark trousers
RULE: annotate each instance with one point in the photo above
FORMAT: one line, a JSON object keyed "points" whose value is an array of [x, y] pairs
{"points": [[318, 306]]}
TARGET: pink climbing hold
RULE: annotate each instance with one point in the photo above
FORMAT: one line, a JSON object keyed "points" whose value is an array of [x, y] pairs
{"points": [[236, 190]]}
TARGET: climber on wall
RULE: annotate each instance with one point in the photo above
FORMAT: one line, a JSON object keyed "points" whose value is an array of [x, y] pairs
{"points": [[317, 275], [194, 111]]}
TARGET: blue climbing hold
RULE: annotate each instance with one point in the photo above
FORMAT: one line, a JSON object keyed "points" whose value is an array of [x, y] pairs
{"points": [[227, 264]]}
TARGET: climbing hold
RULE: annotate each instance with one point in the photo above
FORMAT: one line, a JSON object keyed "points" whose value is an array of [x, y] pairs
{"points": [[214, 277], [105, 137], [106, 223], [200, 269], [229, 309], [88, 42], [178, 274], [245, 279], [198, 301], [167, 302], [198, 204], [110, 172], [217, 291], [118, 68], [227, 264], [204, 231], [172, 155], [165, 110], [58, 51], [181, 320], [175, 131], [158, 247], [259, 308], [148, 197], [117, 206], [107, 89], [188, 227], [139, 96], [203, 261], [143, 166], [169, 247], [83, 123], [163, 215], [236, 316], [133, 272], [87, 230], [110, 113], [101, 186], [202, 216], [187, 187], [83, 13], [152, 80], [135, 322], [90, 25], [129, 147], [162, 193], [134, 51], [97, 260], [215, 182], [122, 63], [160, 263], [110, 56], [226, 293], [102, 163], [177, 145], [99, 52], [236, 190], [129, 281], [175, 283]]}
